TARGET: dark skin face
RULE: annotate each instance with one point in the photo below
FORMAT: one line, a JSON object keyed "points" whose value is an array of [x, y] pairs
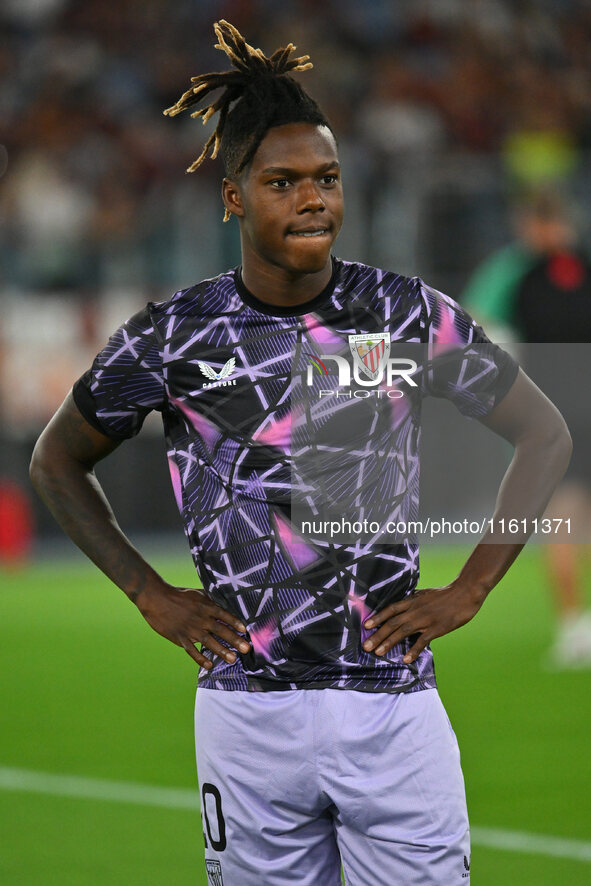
{"points": [[289, 203]]}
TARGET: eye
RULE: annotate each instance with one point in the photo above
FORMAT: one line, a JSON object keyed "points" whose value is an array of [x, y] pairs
{"points": [[330, 179], [280, 183]]}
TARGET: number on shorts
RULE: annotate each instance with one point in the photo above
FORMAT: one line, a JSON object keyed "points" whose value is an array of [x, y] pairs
{"points": [[220, 844]]}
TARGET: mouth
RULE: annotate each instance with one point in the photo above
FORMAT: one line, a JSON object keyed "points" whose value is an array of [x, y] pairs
{"points": [[309, 232]]}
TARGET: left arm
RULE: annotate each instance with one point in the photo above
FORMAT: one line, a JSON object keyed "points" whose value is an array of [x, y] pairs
{"points": [[534, 426]]}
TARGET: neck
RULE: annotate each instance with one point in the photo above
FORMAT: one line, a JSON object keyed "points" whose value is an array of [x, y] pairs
{"points": [[278, 286]]}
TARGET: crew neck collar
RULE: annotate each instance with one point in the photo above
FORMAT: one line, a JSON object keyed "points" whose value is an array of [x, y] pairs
{"points": [[285, 310]]}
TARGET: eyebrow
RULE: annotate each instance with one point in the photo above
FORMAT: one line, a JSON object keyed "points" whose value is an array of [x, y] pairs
{"points": [[286, 170]]}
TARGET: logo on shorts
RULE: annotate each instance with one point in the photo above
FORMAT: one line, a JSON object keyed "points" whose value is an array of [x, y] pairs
{"points": [[466, 867], [214, 873]]}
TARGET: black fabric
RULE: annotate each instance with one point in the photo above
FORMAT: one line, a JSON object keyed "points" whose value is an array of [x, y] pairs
{"points": [[552, 311], [553, 300], [87, 406]]}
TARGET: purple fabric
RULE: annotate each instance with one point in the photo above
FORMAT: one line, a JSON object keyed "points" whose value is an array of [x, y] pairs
{"points": [[294, 783], [220, 372]]}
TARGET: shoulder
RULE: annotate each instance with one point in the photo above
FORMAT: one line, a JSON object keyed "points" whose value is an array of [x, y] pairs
{"points": [[434, 300], [360, 279], [491, 288], [413, 310], [215, 295], [390, 296], [445, 320]]}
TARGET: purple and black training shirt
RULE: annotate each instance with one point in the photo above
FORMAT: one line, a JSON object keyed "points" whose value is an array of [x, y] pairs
{"points": [[219, 366]]}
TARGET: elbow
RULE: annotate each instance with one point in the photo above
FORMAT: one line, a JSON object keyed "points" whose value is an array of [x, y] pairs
{"points": [[562, 440], [566, 444], [37, 466], [42, 465], [556, 443]]}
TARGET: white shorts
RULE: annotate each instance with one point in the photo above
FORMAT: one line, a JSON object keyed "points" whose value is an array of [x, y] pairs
{"points": [[294, 784]]}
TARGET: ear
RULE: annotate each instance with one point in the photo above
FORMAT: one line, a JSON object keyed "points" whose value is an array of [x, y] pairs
{"points": [[232, 197]]}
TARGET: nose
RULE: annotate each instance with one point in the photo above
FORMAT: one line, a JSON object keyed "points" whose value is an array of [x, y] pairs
{"points": [[309, 197]]}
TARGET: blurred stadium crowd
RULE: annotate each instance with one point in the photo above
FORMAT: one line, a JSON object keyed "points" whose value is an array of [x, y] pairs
{"points": [[93, 190], [444, 109]]}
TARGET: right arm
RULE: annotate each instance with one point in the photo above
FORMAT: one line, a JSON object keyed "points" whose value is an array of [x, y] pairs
{"points": [[62, 472]]}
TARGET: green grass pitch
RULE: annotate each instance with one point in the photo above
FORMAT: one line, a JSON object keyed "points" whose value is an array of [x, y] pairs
{"points": [[88, 690]]}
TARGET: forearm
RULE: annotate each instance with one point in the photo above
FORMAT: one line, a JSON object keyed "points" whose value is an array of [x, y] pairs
{"points": [[75, 498], [62, 471], [528, 420], [534, 472]]}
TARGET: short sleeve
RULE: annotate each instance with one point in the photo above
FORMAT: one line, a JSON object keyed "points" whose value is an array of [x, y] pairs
{"points": [[462, 365], [125, 381]]}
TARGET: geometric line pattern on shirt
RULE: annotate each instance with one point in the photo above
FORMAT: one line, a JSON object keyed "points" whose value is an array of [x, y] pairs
{"points": [[232, 451]]}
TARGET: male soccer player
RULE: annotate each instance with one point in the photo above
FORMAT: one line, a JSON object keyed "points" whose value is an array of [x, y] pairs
{"points": [[321, 738]]}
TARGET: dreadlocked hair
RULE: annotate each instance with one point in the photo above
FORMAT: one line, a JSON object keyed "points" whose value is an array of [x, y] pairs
{"points": [[257, 95]]}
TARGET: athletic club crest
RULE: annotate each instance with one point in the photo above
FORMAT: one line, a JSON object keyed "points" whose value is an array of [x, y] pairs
{"points": [[214, 872], [370, 352]]}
